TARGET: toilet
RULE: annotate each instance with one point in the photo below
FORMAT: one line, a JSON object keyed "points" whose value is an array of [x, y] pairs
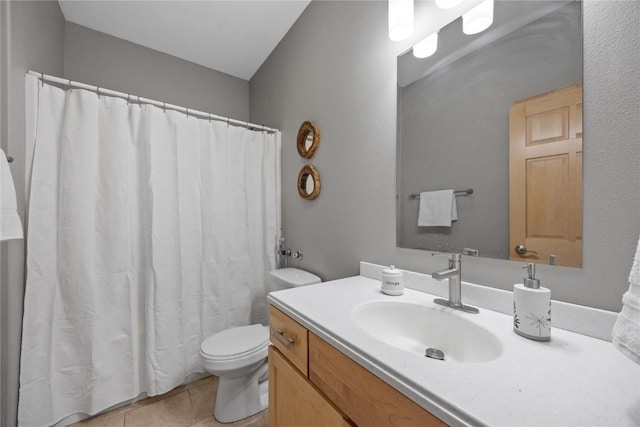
{"points": [[238, 356]]}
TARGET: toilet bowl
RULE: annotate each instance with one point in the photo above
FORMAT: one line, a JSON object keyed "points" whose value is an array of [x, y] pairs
{"points": [[238, 356]]}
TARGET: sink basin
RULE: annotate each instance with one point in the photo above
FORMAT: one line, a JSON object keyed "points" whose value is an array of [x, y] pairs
{"points": [[414, 328]]}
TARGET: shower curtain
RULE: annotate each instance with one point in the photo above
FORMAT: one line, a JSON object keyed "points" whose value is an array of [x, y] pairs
{"points": [[147, 231]]}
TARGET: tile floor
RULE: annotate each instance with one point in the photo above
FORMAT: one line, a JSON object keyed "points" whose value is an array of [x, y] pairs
{"points": [[190, 405]]}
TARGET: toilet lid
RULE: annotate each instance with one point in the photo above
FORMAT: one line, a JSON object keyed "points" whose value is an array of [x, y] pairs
{"points": [[234, 341]]}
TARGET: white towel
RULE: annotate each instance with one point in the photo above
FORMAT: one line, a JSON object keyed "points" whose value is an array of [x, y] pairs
{"points": [[10, 224], [437, 208], [626, 331]]}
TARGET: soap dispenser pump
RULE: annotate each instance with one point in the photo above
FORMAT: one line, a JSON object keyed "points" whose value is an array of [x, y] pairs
{"points": [[532, 307]]}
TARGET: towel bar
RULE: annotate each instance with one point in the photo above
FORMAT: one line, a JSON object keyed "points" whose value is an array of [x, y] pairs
{"points": [[465, 192]]}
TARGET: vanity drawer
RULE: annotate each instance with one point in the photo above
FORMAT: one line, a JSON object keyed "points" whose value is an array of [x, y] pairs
{"points": [[363, 397], [290, 338]]}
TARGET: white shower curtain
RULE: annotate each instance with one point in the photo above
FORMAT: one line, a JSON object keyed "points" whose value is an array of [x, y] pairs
{"points": [[147, 232]]}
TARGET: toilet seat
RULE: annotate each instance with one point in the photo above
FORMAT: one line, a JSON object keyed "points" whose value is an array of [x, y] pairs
{"points": [[235, 343], [233, 351]]}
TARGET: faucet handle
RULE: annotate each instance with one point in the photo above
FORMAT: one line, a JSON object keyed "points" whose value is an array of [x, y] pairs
{"points": [[455, 257]]}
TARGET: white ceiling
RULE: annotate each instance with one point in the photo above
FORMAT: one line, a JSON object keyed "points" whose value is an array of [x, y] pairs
{"points": [[232, 36]]}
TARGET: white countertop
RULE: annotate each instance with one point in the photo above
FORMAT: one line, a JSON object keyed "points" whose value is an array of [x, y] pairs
{"points": [[572, 380]]}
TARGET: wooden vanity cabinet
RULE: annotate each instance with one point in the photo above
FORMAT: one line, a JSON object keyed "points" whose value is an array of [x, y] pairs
{"points": [[328, 388], [293, 400]]}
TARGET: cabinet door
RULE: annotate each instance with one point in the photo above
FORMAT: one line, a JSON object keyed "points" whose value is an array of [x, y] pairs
{"points": [[294, 401], [364, 398]]}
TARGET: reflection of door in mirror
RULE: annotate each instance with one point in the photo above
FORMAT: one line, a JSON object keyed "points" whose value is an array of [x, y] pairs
{"points": [[545, 177]]}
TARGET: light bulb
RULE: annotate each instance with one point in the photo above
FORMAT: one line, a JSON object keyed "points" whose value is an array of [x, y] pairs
{"points": [[479, 18], [400, 19], [426, 47], [447, 4]]}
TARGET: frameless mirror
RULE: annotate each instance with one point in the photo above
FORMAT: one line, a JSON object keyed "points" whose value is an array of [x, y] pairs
{"points": [[309, 141], [310, 184], [499, 113]]}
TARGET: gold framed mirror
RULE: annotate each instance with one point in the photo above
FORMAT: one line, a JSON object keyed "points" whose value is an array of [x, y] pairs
{"points": [[308, 182], [308, 139]]}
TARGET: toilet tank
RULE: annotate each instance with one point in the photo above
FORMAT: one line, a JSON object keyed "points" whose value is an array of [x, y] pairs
{"points": [[293, 277]]}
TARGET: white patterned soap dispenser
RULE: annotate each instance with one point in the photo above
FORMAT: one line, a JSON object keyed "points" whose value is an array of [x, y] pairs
{"points": [[532, 308]]}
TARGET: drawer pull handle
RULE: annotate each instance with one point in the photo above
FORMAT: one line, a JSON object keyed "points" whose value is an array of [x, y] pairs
{"points": [[287, 342]]}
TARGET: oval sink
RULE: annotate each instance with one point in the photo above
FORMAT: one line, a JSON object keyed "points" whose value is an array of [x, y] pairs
{"points": [[414, 328]]}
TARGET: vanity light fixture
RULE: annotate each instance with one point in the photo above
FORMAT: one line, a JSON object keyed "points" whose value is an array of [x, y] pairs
{"points": [[426, 47], [400, 19], [479, 18], [447, 4]]}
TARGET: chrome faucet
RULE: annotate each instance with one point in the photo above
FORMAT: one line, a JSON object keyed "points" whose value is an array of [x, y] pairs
{"points": [[454, 274]]}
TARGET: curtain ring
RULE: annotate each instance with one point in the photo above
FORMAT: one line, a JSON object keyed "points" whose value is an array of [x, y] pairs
{"points": [[70, 86], [187, 112], [42, 79], [98, 91], [128, 99], [209, 117], [228, 123], [164, 107]]}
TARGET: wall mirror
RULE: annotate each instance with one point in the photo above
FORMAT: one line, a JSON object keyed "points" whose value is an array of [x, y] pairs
{"points": [[308, 182], [308, 139], [499, 112]]}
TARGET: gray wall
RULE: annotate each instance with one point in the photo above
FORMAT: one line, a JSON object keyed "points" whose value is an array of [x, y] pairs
{"points": [[32, 38], [454, 127], [337, 67], [99, 59]]}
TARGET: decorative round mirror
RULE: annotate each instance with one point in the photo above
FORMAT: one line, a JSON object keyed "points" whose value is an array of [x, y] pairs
{"points": [[308, 182], [308, 139]]}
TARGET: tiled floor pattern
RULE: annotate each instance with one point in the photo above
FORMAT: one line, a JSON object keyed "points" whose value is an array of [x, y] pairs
{"points": [[190, 405]]}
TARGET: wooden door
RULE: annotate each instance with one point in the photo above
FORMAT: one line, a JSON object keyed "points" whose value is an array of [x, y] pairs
{"points": [[545, 177], [294, 401]]}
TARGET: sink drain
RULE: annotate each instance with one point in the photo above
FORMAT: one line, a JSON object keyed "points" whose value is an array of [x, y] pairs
{"points": [[434, 353]]}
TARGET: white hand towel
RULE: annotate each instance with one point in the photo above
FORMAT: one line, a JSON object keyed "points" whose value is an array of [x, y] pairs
{"points": [[437, 208], [10, 224], [626, 331]]}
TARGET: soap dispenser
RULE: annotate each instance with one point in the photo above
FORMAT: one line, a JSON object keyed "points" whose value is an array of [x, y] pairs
{"points": [[532, 307]]}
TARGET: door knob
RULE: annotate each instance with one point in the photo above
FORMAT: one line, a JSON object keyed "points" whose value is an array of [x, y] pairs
{"points": [[522, 250]]}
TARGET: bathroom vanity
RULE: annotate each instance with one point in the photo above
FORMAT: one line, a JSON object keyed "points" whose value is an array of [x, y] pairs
{"points": [[312, 383], [343, 354]]}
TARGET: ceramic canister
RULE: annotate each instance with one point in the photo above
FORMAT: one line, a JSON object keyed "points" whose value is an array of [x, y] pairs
{"points": [[392, 283]]}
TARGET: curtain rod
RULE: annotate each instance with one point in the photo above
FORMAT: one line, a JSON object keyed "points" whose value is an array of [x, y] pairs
{"points": [[141, 100]]}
